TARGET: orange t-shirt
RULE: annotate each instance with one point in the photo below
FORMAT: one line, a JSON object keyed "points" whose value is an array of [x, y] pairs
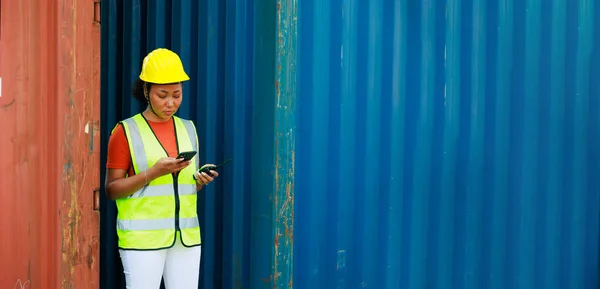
{"points": [[119, 156]]}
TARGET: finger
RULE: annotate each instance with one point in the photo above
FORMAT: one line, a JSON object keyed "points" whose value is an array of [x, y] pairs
{"points": [[198, 178], [178, 166], [214, 174], [207, 177], [183, 164], [203, 179], [173, 161]]}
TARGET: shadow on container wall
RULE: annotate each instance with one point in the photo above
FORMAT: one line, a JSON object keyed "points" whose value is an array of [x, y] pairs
{"points": [[231, 101]]}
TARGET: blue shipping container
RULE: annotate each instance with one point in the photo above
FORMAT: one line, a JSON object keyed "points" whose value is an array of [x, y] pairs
{"points": [[456, 143], [380, 144]]}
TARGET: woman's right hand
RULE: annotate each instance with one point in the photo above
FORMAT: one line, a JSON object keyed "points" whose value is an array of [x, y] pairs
{"points": [[168, 165]]}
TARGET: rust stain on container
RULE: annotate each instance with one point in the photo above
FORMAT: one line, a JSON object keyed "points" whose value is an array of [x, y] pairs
{"points": [[49, 156], [285, 129]]}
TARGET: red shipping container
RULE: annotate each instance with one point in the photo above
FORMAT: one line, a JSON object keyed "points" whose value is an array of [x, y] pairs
{"points": [[49, 144]]}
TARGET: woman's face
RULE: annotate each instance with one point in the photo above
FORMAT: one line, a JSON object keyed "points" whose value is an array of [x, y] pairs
{"points": [[165, 99]]}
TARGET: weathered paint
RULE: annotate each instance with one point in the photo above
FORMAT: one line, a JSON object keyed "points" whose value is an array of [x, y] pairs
{"points": [[285, 141], [49, 164], [447, 144]]}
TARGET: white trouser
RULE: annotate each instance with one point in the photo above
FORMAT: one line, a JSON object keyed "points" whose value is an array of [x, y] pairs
{"points": [[179, 265]]}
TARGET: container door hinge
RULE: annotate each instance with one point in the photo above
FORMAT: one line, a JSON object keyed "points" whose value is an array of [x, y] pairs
{"points": [[97, 12]]}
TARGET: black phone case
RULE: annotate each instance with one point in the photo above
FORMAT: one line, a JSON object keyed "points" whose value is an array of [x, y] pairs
{"points": [[186, 155]]}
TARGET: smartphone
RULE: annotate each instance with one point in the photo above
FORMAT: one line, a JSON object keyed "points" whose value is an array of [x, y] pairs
{"points": [[186, 156], [207, 168]]}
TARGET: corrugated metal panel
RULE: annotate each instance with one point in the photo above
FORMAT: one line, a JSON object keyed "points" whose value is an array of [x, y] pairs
{"points": [[49, 160], [421, 144], [447, 144], [218, 46]]}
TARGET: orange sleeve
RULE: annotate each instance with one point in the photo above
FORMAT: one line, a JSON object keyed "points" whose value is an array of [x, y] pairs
{"points": [[118, 156]]}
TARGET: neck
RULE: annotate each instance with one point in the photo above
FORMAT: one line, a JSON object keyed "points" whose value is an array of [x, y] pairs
{"points": [[149, 115]]}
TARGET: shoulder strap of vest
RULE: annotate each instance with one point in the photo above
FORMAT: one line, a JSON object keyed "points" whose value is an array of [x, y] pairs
{"points": [[136, 143], [121, 122], [191, 131]]}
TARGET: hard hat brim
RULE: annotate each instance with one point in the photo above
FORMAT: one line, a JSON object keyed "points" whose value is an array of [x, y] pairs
{"points": [[166, 80]]}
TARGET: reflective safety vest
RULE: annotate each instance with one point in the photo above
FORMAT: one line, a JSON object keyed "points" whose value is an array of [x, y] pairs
{"points": [[150, 218]]}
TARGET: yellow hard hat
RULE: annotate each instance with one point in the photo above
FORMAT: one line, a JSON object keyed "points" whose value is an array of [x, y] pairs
{"points": [[163, 66]]}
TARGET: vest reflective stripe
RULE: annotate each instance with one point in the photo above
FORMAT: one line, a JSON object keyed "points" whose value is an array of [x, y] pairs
{"points": [[137, 145], [163, 190], [191, 130], [156, 224], [147, 219]]}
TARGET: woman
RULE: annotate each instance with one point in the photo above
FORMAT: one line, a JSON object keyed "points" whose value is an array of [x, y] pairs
{"points": [[155, 192]]}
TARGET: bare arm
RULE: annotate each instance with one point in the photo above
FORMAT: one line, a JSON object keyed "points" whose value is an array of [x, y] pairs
{"points": [[118, 186]]}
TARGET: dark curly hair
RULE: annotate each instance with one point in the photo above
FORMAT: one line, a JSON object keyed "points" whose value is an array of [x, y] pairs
{"points": [[137, 90]]}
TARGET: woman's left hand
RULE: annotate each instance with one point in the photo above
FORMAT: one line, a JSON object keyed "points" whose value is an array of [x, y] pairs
{"points": [[204, 178]]}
